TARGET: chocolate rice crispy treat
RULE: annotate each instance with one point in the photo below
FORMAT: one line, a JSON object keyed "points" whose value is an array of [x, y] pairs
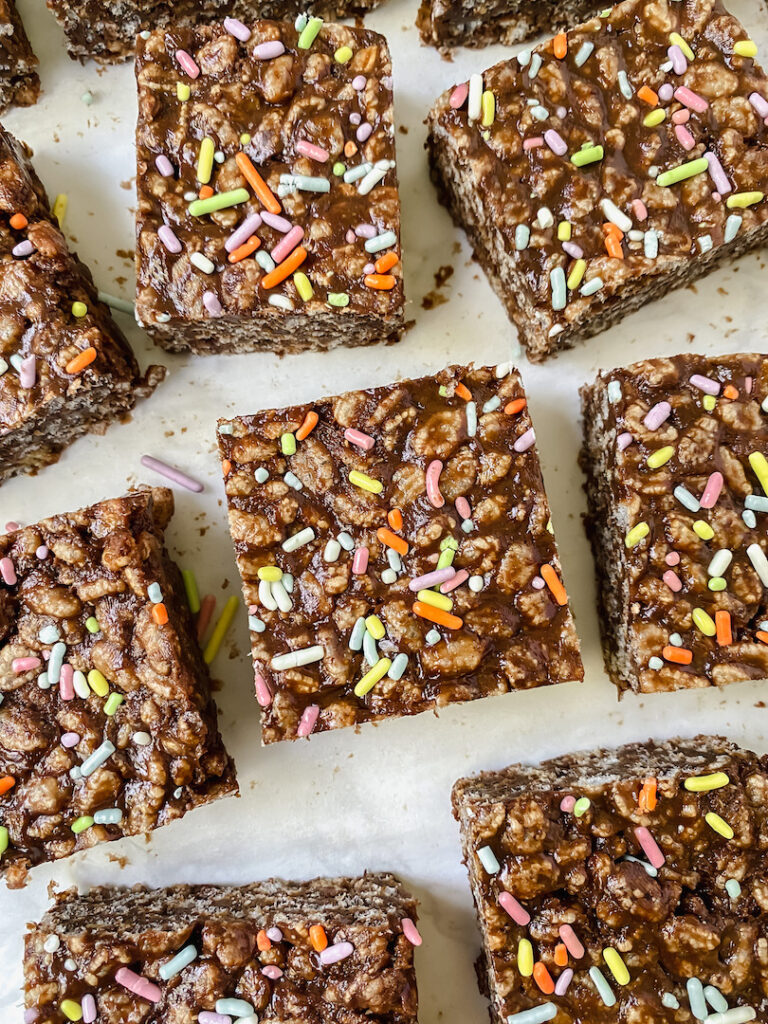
{"points": [[622, 885], [607, 166], [106, 31], [107, 725], [329, 951], [449, 23], [19, 81], [396, 551], [675, 458], [290, 135], [65, 367]]}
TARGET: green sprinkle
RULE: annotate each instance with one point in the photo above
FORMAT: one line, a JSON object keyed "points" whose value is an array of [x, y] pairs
{"points": [[81, 824], [656, 117], [682, 171], [343, 55], [309, 33], [92, 624], [581, 806], [190, 588], [733, 888], [220, 201], [4, 839], [112, 703], [87, 98], [338, 299], [588, 155], [182, 92], [339, 168], [288, 444], [79, 309], [449, 542], [717, 583]]}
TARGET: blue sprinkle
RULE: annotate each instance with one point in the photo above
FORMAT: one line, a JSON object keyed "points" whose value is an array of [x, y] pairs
{"points": [[261, 475], [583, 54], [536, 1015], [603, 988], [370, 653], [265, 261], [433, 637], [255, 624], [48, 635], [471, 419], [524, 58], [395, 562], [733, 888], [750, 519], [293, 481], [522, 237], [715, 998], [676, 640], [756, 503], [704, 243], [487, 858], [557, 285], [696, 998], [398, 666], [154, 593], [670, 1001], [357, 634], [534, 66], [55, 662], [234, 1007], [685, 498], [177, 963], [345, 539], [492, 404], [732, 225], [626, 88], [108, 816], [592, 286]]}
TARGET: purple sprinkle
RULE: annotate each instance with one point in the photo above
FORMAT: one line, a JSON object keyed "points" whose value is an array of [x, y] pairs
{"points": [[432, 579], [563, 982], [270, 971], [355, 118], [332, 954], [717, 174], [24, 248], [31, 1015], [538, 583], [369, 268], [760, 105], [276, 222], [366, 231], [359, 82], [705, 384], [164, 166], [42, 552], [387, 81], [657, 415], [212, 304], [209, 1017], [364, 132], [561, 111], [666, 92], [555, 142], [573, 250], [88, 1004], [274, 934], [624, 440], [236, 28], [171, 472], [70, 739], [350, 236], [28, 372], [679, 62], [240, 235], [524, 442], [168, 238], [266, 51]]}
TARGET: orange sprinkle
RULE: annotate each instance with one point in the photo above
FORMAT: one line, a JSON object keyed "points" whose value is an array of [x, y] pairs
{"points": [[723, 626], [264, 193], [308, 425], [515, 406], [463, 392], [646, 798], [6, 782], [613, 247], [350, 148], [81, 360], [729, 391], [318, 938], [543, 979], [385, 262], [381, 282], [160, 613], [437, 615], [559, 48], [609, 228], [19, 221], [762, 635], [561, 954], [647, 95], [552, 580], [205, 192], [226, 467], [677, 655], [285, 269], [263, 941], [391, 540], [395, 518], [245, 249]]}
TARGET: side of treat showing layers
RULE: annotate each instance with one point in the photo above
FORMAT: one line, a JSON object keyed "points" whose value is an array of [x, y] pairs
{"points": [[268, 210], [677, 484], [65, 367], [107, 31], [107, 725], [19, 80], [328, 951], [396, 551], [604, 168], [449, 23], [624, 884]]}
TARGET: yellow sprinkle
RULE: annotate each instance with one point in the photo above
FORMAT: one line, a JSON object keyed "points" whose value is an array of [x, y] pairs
{"points": [[221, 627], [375, 627], [343, 55], [564, 231], [270, 573], [525, 958], [245, 138], [79, 309], [71, 1009], [758, 463], [183, 92], [719, 825], [98, 683], [303, 285], [636, 534], [60, 209], [576, 274], [372, 676], [704, 783], [366, 482], [205, 160], [676, 38], [435, 599], [703, 622], [616, 966], [745, 48], [654, 118], [488, 107], [709, 402], [660, 456], [739, 200], [703, 530]]}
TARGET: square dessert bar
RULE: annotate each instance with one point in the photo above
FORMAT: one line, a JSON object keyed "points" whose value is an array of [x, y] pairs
{"points": [[609, 165], [65, 366], [107, 725], [677, 483], [106, 31], [622, 885], [19, 81], [396, 551], [449, 23], [268, 214], [329, 951]]}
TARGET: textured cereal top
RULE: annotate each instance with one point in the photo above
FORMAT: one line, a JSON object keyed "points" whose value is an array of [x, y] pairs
{"points": [[396, 551], [266, 172], [618, 150]]}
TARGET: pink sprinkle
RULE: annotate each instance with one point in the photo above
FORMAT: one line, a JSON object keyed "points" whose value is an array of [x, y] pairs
{"points": [[666, 92], [705, 384], [567, 804], [263, 692], [11, 526], [187, 63], [573, 250], [241, 234], [454, 581], [287, 244], [434, 469], [350, 236], [308, 720], [88, 1006], [310, 150], [171, 472], [275, 221], [212, 304], [236, 28], [357, 437], [678, 58], [360, 561], [271, 971], [168, 237], [431, 579], [747, 387], [555, 142], [525, 441], [571, 941], [332, 954], [684, 137], [533, 143], [717, 174], [164, 165], [274, 934], [140, 986], [681, 116], [366, 231], [266, 51], [411, 932], [538, 583], [70, 739], [42, 552], [360, 81], [31, 1015], [462, 507], [760, 105], [639, 209], [66, 686], [691, 99], [7, 571], [672, 580], [672, 558], [28, 372], [657, 415], [458, 96], [624, 440], [369, 268], [25, 248], [516, 910], [649, 846], [210, 1017], [363, 133], [561, 987], [712, 490], [25, 664]]}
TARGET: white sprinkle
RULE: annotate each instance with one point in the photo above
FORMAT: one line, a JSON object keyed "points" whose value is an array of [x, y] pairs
{"points": [[141, 739], [202, 262], [756, 555], [345, 539], [614, 391], [474, 103], [298, 540], [487, 858], [293, 481], [476, 583], [544, 217], [296, 659], [388, 576], [265, 595], [614, 214], [280, 594], [331, 551], [52, 943]]}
